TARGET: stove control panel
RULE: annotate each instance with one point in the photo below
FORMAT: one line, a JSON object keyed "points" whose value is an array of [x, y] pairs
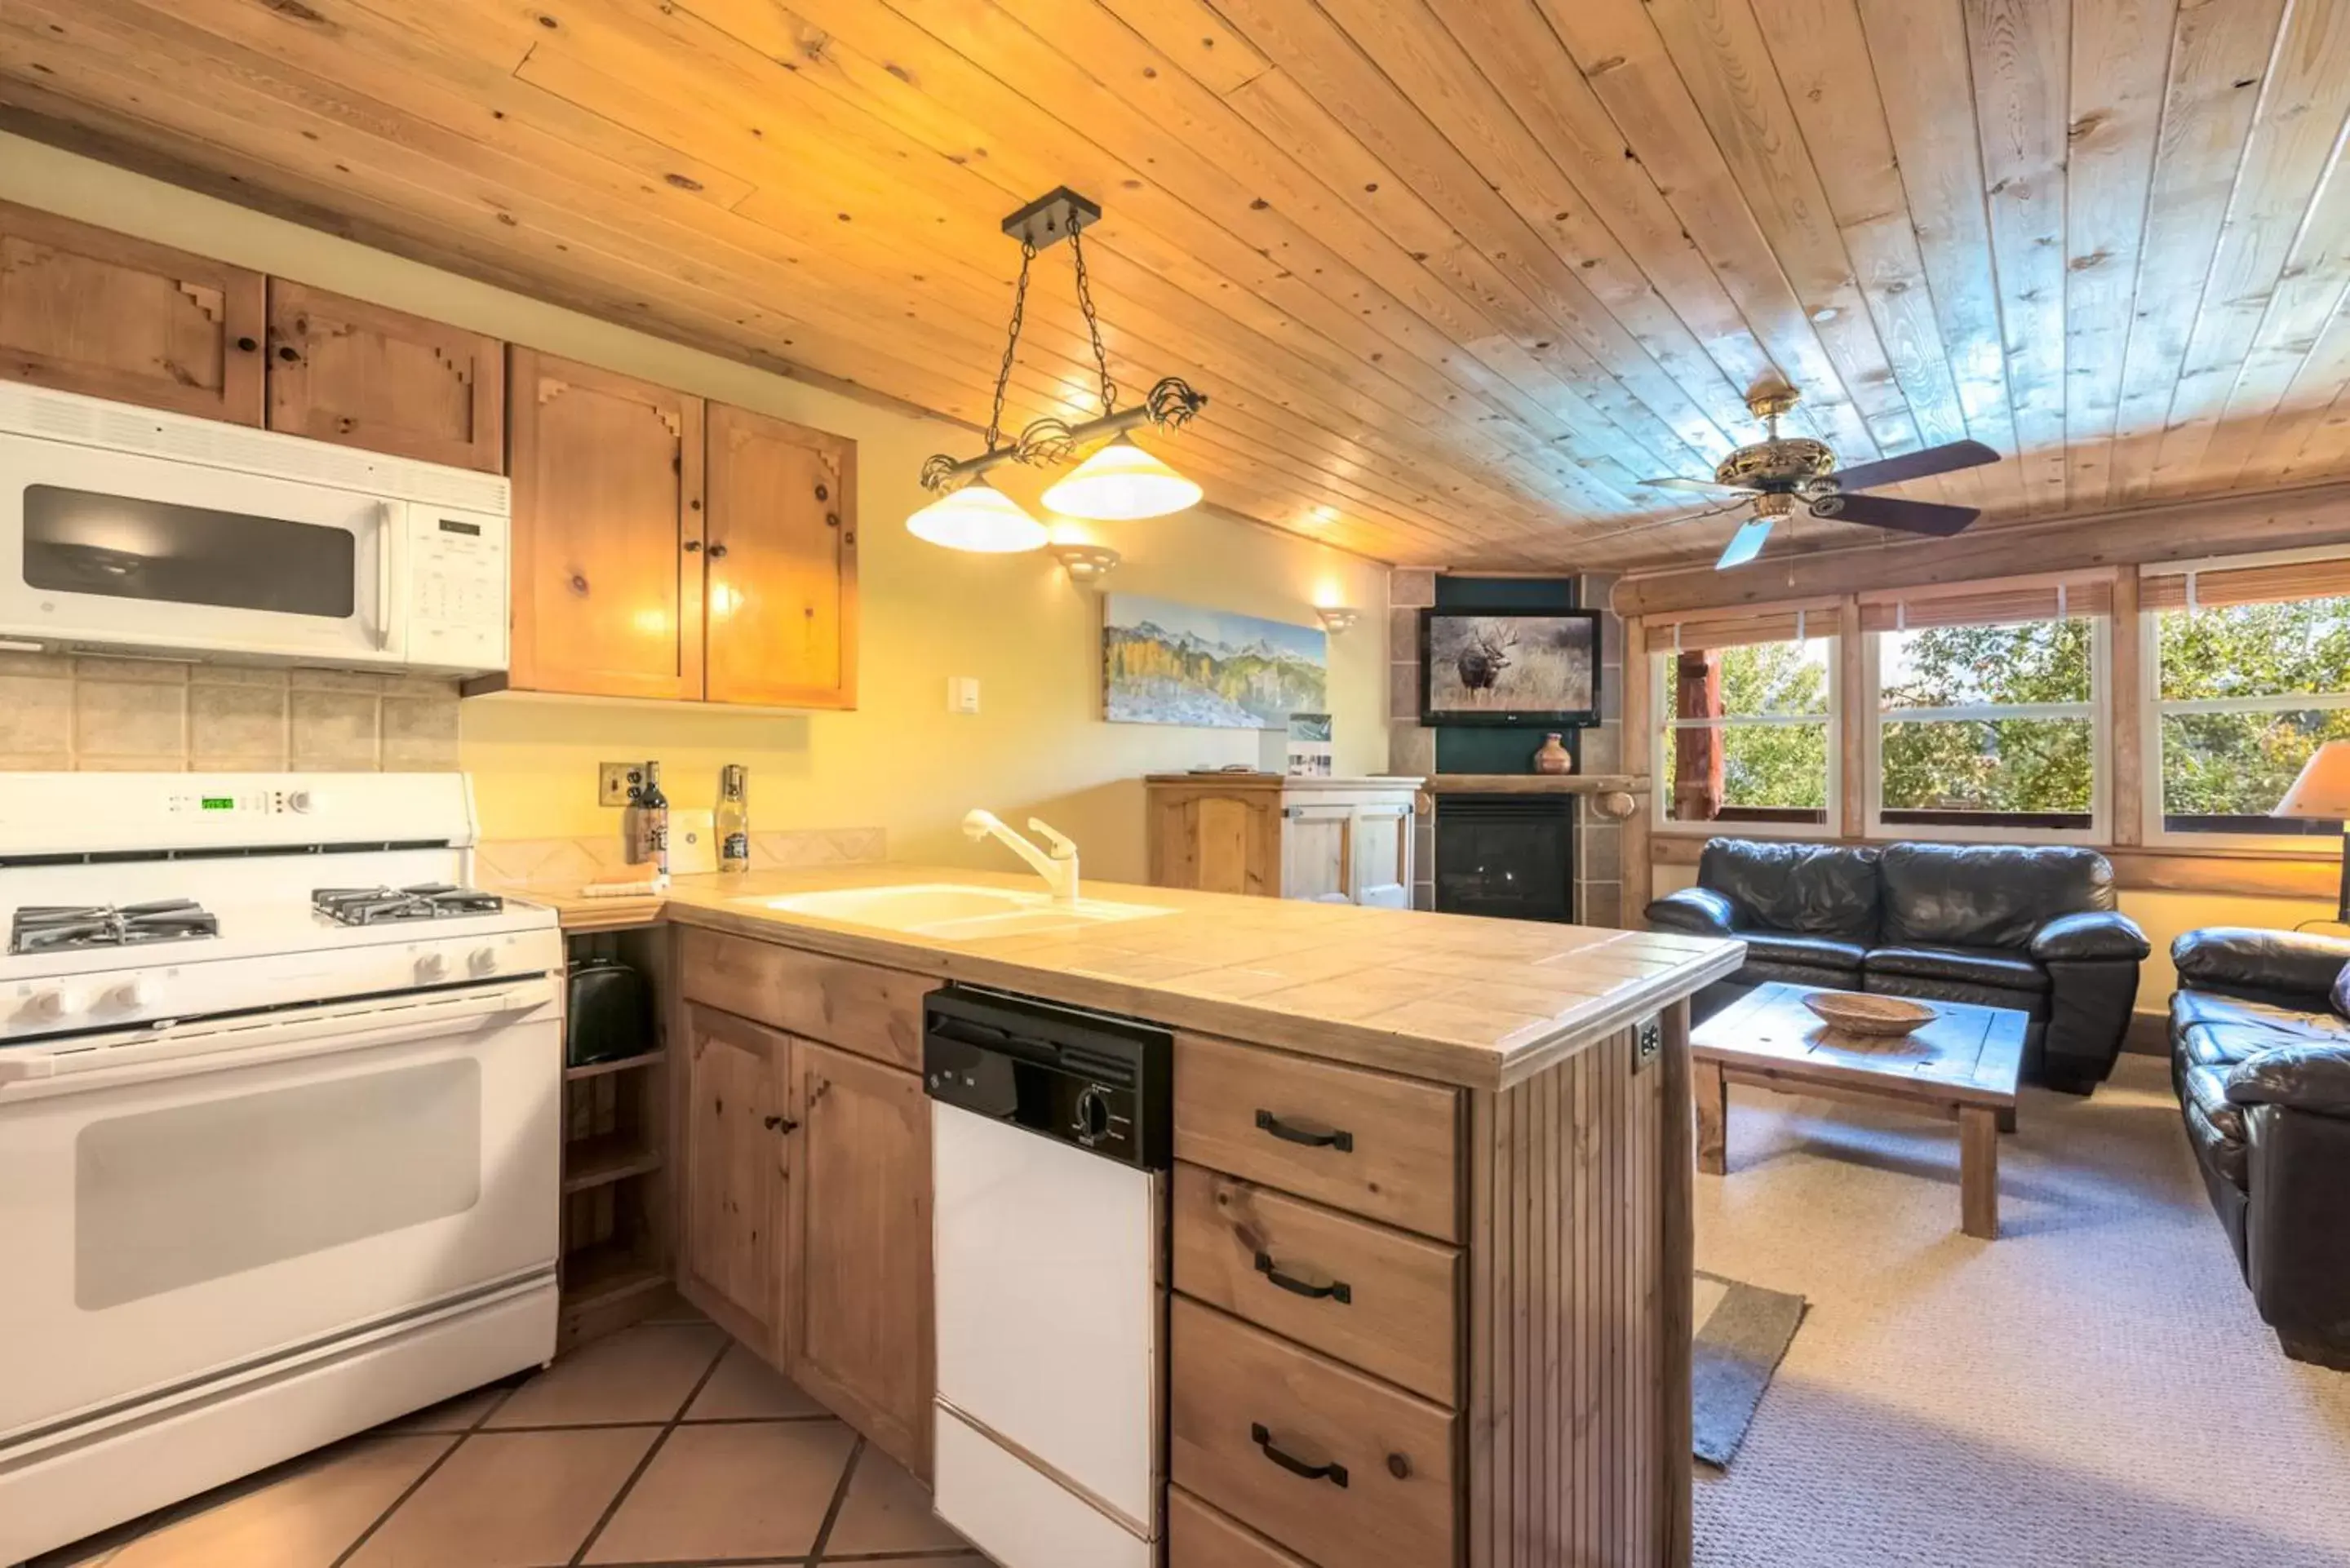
{"points": [[244, 802]]}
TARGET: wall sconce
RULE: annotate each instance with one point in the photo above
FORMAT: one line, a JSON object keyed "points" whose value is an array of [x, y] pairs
{"points": [[1086, 563], [1336, 618]]}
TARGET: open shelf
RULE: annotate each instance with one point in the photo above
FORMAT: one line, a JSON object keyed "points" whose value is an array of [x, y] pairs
{"points": [[604, 1158], [619, 1065]]}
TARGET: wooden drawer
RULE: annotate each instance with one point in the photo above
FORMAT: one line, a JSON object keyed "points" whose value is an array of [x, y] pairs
{"points": [[875, 1012], [1372, 1297], [1365, 1142], [1241, 1396], [1200, 1537]]}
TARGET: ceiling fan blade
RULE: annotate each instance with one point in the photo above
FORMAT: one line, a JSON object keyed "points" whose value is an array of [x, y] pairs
{"points": [[1746, 543], [1923, 464], [1702, 486], [1891, 512]]}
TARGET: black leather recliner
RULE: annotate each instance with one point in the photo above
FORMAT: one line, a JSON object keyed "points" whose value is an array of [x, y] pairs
{"points": [[2034, 929], [2260, 1053]]}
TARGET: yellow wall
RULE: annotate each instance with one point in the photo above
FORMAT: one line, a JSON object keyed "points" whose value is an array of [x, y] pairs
{"points": [[2164, 915], [901, 760]]}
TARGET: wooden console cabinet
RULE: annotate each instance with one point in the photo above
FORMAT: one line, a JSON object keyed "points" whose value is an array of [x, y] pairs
{"points": [[1332, 840]]}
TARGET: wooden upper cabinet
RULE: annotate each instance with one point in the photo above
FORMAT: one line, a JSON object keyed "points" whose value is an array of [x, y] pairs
{"points": [[862, 1178], [781, 564], [83, 309], [345, 370], [608, 576]]}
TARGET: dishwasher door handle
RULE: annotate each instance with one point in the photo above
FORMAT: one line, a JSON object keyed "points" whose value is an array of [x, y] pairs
{"points": [[1333, 1471]]}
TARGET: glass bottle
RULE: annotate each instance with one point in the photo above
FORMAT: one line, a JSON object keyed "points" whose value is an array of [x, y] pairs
{"points": [[733, 818], [652, 823]]}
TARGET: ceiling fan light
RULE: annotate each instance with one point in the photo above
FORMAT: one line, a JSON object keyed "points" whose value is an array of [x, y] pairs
{"points": [[1120, 483], [981, 519]]}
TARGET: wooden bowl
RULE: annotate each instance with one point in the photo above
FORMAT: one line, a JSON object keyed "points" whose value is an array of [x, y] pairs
{"points": [[1881, 1017]]}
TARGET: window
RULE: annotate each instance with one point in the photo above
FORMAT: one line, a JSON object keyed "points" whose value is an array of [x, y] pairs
{"points": [[2249, 673], [1988, 716], [1747, 730]]}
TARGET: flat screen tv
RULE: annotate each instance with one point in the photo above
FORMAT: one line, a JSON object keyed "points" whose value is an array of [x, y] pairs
{"points": [[1508, 667]]}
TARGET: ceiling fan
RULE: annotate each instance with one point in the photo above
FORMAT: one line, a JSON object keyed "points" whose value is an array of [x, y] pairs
{"points": [[1782, 473]]}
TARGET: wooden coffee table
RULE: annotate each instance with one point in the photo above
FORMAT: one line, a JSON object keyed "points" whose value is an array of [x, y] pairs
{"points": [[1961, 1066]]}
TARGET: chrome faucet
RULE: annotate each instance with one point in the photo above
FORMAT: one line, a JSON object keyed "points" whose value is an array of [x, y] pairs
{"points": [[1059, 867]]}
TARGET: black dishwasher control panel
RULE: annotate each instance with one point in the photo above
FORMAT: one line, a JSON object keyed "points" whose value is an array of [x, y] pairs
{"points": [[1091, 1080]]}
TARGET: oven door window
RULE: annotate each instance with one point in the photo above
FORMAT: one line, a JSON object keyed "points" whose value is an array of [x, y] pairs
{"points": [[127, 547], [170, 1198]]}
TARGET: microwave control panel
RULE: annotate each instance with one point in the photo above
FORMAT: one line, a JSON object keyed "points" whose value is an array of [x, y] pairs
{"points": [[456, 586]]}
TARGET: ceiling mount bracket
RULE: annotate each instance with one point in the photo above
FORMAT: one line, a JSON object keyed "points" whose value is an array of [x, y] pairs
{"points": [[1052, 218]]}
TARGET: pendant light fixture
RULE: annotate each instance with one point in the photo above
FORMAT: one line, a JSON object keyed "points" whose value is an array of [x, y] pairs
{"points": [[1119, 482]]}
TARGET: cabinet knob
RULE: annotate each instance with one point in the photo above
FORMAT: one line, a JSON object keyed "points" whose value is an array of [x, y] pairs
{"points": [[782, 1124], [691, 545], [717, 551], [288, 352], [246, 345]]}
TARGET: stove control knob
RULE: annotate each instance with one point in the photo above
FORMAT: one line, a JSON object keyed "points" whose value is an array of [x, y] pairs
{"points": [[430, 966], [483, 960], [299, 800], [132, 994], [55, 1003], [1093, 1115]]}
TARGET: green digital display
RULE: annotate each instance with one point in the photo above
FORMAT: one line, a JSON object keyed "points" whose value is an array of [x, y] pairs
{"points": [[218, 803]]}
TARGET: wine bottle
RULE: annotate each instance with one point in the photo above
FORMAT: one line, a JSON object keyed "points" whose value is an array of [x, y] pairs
{"points": [[733, 818]]}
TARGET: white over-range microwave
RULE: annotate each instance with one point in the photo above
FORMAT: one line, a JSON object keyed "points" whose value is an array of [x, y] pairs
{"points": [[127, 530]]}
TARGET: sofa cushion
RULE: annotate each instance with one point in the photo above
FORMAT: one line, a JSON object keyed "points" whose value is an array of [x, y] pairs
{"points": [[1812, 890], [2034, 1004], [1987, 896], [2206, 1089], [2211, 1031], [2222, 1045], [1974, 966], [1811, 953], [2229, 1158]]}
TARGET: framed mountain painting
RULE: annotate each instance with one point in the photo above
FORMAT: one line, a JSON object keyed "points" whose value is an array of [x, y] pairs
{"points": [[1166, 663]]}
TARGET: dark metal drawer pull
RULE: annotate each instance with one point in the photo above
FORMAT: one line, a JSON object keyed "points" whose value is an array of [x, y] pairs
{"points": [[1337, 1290], [1344, 1142], [1334, 1473]]}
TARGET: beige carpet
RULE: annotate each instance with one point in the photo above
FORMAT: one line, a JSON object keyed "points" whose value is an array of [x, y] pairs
{"points": [[2092, 1389]]}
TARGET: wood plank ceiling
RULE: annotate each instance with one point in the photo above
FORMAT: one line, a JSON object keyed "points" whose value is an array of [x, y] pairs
{"points": [[1458, 273]]}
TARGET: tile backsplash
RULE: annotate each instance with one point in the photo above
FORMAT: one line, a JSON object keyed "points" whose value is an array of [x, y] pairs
{"points": [[566, 863], [147, 715]]}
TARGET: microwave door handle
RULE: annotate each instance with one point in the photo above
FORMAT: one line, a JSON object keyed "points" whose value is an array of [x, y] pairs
{"points": [[385, 513]]}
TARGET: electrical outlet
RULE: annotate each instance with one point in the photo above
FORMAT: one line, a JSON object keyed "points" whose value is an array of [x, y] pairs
{"points": [[615, 779]]}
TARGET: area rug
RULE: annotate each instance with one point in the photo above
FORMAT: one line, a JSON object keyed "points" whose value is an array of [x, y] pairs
{"points": [[1742, 1332]]}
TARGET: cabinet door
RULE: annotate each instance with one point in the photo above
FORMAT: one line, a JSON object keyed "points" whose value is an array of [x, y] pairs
{"points": [[734, 1263], [1227, 843], [345, 370], [85, 310], [861, 1175], [782, 564], [606, 532], [1382, 844], [1317, 854]]}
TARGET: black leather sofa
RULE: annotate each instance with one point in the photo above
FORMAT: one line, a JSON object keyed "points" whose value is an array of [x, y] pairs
{"points": [[2260, 1053], [2033, 929]]}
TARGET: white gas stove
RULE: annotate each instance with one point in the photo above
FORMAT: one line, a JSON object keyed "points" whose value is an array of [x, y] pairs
{"points": [[279, 1108]]}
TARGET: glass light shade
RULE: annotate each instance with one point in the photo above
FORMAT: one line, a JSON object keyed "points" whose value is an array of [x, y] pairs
{"points": [[980, 518], [1120, 483]]}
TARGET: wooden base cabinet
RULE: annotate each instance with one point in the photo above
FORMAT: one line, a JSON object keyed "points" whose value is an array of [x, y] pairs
{"points": [[808, 1196], [1334, 840]]}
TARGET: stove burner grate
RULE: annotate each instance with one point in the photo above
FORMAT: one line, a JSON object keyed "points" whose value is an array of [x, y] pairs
{"points": [[66, 927], [425, 901]]}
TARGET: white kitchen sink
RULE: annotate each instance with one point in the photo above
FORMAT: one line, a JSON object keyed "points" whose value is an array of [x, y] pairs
{"points": [[952, 911]]}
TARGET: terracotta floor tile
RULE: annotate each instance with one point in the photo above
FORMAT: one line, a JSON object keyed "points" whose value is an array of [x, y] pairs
{"points": [[509, 1500], [745, 1385], [740, 1490], [305, 1517], [641, 1373], [458, 1415], [886, 1510]]}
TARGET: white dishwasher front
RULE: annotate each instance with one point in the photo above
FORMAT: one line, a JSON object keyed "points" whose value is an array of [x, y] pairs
{"points": [[1048, 1145]]}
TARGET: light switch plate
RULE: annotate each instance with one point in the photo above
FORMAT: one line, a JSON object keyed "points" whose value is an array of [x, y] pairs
{"points": [[614, 780], [963, 693]]}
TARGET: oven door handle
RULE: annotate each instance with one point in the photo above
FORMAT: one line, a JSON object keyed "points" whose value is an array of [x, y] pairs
{"points": [[215, 1045]]}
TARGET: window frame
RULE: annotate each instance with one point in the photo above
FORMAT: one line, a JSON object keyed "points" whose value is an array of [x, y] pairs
{"points": [[1661, 679], [2097, 710], [2153, 710]]}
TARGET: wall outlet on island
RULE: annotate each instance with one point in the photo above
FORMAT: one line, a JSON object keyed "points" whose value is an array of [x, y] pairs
{"points": [[615, 779], [963, 693]]}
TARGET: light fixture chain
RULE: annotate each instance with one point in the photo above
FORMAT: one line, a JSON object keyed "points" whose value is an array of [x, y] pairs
{"points": [[1093, 322], [1011, 344]]}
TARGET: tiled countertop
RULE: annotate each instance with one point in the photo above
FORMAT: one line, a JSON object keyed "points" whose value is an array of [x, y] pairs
{"points": [[1479, 1002]]}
